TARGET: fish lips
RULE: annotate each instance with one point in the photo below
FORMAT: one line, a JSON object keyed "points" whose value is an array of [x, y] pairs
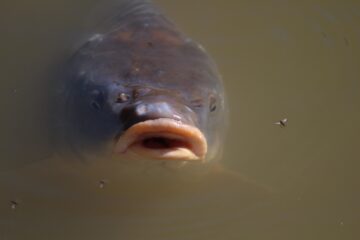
{"points": [[160, 131]]}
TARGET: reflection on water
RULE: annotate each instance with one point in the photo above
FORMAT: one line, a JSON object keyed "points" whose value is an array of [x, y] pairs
{"points": [[279, 60]]}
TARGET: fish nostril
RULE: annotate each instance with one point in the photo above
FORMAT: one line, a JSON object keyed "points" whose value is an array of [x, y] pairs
{"points": [[197, 103], [122, 97]]}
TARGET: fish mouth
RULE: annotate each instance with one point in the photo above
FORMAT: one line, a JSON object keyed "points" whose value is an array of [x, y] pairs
{"points": [[163, 139]]}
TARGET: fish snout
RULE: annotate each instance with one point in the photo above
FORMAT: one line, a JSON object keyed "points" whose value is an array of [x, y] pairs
{"points": [[151, 110], [160, 130]]}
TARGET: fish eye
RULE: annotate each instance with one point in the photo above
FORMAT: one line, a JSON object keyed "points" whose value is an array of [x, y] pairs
{"points": [[97, 102], [212, 106]]}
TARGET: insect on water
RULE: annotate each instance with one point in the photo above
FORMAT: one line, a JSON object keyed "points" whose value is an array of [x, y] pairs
{"points": [[14, 204], [282, 123], [102, 183]]}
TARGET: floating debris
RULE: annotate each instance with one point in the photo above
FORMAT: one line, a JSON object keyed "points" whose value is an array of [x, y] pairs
{"points": [[282, 123], [102, 183], [14, 204]]}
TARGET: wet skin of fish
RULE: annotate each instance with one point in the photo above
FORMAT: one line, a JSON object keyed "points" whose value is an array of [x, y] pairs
{"points": [[141, 89]]}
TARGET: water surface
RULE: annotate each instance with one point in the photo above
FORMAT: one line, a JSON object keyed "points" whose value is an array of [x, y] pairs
{"points": [[279, 59]]}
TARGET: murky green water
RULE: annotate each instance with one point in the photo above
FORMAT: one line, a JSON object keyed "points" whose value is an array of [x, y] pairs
{"points": [[279, 59]]}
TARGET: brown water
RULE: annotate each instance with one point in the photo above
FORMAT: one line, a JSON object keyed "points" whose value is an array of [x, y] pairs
{"points": [[279, 59]]}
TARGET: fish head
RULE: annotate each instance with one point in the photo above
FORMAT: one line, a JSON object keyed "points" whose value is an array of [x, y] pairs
{"points": [[144, 91]]}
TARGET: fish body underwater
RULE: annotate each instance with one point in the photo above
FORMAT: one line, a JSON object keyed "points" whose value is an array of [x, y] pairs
{"points": [[139, 93], [142, 89]]}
